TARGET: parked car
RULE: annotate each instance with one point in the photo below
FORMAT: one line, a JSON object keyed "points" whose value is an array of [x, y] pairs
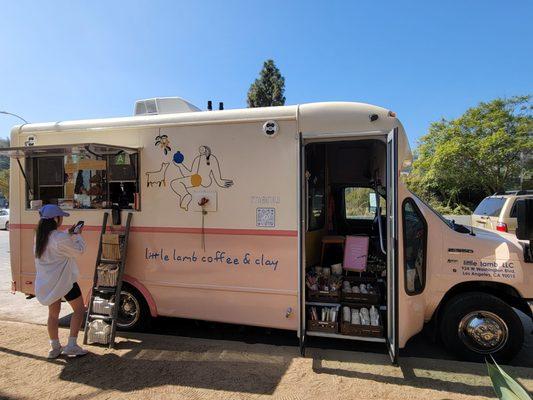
{"points": [[498, 212], [4, 219]]}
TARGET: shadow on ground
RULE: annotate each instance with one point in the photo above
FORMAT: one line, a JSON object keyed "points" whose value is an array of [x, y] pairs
{"points": [[423, 345], [420, 373], [149, 362]]}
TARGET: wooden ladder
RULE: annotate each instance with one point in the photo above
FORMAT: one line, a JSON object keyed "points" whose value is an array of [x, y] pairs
{"points": [[108, 292]]}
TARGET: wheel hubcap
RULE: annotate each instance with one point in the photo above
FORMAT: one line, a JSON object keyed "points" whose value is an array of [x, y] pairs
{"points": [[483, 332], [129, 309]]}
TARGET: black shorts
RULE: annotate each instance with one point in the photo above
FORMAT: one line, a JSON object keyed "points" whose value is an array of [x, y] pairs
{"points": [[74, 293]]}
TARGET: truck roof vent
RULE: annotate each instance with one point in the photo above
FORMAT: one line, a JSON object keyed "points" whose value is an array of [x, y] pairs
{"points": [[163, 105]]}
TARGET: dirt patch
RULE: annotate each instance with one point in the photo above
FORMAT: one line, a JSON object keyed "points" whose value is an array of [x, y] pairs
{"points": [[157, 366]]}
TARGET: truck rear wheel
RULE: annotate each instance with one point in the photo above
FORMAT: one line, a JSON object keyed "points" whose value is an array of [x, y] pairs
{"points": [[474, 325], [133, 312]]}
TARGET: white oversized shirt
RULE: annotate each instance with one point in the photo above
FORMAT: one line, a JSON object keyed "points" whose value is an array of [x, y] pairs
{"points": [[57, 269]]}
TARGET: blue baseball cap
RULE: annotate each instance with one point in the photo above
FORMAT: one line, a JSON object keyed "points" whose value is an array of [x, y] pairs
{"points": [[50, 211]]}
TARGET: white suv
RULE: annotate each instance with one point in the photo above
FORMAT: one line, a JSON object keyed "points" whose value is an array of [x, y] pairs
{"points": [[498, 212]]}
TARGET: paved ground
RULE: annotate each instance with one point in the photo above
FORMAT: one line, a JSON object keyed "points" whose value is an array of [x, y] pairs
{"points": [[183, 361], [162, 367]]}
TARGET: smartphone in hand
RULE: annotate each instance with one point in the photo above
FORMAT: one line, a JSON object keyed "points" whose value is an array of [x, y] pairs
{"points": [[76, 228]]}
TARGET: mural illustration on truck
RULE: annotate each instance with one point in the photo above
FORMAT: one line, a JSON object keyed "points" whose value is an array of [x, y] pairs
{"points": [[204, 171], [163, 142]]}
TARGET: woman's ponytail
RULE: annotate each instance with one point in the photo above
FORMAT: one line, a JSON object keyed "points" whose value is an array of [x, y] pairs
{"points": [[44, 228]]}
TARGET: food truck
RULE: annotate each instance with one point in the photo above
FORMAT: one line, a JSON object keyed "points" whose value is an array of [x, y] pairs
{"points": [[292, 217]]}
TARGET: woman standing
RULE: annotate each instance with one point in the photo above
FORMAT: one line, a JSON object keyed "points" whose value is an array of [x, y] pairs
{"points": [[57, 273]]}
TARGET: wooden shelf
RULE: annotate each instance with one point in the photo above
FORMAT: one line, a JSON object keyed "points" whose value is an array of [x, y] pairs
{"points": [[105, 289], [101, 316], [339, 336], [343, 303]]}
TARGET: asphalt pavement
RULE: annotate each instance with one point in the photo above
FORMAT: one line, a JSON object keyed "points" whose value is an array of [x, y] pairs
{"points": [[15, 307]]}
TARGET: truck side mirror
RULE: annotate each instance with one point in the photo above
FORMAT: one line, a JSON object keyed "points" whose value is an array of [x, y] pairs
{"points": [[524, 229], [524, 217]]}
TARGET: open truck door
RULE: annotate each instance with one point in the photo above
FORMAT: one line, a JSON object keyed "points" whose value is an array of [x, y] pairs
{"points": [[392, 245], [302, 212]]}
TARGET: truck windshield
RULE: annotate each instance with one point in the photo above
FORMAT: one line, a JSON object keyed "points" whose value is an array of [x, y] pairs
{"points": [[456, 227], [446, 221], [490, 206]]}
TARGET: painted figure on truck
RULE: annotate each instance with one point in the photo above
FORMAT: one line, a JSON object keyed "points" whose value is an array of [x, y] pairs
{"points": [[204, 171]]}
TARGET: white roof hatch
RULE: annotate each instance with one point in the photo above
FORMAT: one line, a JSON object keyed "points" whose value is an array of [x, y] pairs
{"points": [[163, 105]]}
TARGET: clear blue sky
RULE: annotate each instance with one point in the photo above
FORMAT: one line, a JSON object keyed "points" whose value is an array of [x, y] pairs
{"points": [[423, 59]]}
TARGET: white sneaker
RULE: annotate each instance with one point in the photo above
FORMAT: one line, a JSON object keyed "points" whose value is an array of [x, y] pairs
{"points": [[54, 352], [74, 351]]}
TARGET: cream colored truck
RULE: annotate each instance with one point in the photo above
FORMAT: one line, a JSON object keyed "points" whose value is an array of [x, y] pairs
{"points": [[275, 180]]}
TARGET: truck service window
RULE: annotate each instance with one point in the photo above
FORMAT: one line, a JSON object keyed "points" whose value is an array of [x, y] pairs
{"points": [[84, 180], [414, 242]]}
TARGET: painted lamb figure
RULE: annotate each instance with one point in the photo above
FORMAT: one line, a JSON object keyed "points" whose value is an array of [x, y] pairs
{"points": [[157, 177]]}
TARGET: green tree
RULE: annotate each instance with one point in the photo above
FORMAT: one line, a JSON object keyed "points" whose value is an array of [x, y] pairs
{"points": [[458, 162], [4, 170], [268, 89], [4, 182]]}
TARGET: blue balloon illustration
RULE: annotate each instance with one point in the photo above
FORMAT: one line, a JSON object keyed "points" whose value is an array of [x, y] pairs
{"points": [[178, 157]]}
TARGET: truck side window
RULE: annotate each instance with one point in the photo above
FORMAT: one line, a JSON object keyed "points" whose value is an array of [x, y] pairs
{"points": [[46, 175], [415, 247]]}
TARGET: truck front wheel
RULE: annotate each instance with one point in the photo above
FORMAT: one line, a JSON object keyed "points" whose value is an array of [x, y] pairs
{"points": [[133, 312], [474, 325]]}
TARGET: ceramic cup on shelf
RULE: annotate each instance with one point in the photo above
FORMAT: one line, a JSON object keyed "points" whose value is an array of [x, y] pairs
{"points": [[336, 269]]}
